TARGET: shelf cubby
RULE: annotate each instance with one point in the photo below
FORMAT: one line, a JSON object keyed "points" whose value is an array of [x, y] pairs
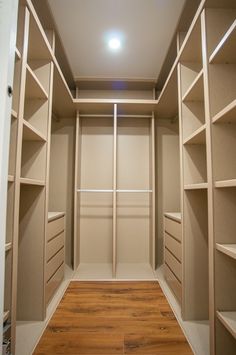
{"points": [[41, 69], [12, 146], [193, 117], [195, 166], [36, 113], [33, 160], [190, 71], [10, 213], [191, 49], [223, 147], [30, 304], [31, 134], [225, 51], [195, 91], [8, 281], [197, 137], [33, 87], [16, 85], [227, 114]]}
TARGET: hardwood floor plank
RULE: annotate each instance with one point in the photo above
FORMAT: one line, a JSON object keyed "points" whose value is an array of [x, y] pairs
{"points": [[106, 318]]}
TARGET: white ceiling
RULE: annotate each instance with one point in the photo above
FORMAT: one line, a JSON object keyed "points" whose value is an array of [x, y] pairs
{"points": [[146, 27]]}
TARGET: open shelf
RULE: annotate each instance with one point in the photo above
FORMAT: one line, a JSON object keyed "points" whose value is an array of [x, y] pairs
{"points": [[31, 134], [191, 50], [225, 183], [228, 319], [225, 50], [8, 246], [11, 178], [14, 114], [228, 249], [33, 160], [197, 137], [200, 186], [34, 89], [227, 114], [33, 182], [195, 91]]}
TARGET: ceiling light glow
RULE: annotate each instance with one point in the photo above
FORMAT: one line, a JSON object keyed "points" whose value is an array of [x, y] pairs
{"points": [[114, 44]]}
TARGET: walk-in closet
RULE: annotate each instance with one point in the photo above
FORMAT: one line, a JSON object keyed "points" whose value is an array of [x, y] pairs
{"points": [[118, 177]]}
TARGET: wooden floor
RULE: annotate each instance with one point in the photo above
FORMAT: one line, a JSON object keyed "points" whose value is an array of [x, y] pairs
{"points": [[109, 318]]}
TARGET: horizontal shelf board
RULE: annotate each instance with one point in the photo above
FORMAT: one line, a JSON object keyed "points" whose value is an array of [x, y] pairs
{"points": [[34, 182], [17, 54], [32, 134], [173, 215], [198, 137], [225, 52], [11, 178], [195, 91], [225, 183], [8, 246], [228, 319], [6, 315], [228, 249], [227, 115], [14, 113], [118, 190], [199, 186], [55, 215], [94, 190], [34, 89]]}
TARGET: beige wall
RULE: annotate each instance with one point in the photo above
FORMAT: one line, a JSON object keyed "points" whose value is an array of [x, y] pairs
{"points": [[62, 175], [167, 177]]}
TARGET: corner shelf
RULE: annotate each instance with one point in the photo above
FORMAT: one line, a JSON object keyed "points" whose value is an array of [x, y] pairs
{"points": [[198, 186], [225, 183], [228, 319], [8, 246], [32, 134], [225, 51], [228, 249], [227, 115], [197, 137], [33, 182], [34, 89], [195, 91]]}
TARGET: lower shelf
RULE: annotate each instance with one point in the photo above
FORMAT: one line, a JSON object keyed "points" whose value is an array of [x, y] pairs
{"points": [[93, 271], [228, 319], [137, 271]]}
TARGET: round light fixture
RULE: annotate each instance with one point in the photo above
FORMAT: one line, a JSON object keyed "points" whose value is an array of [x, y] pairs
{"points": [[114, 44]]}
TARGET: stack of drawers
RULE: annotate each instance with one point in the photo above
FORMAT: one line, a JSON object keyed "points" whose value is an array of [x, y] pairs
{"points": [[173, 252], [55, 252]]}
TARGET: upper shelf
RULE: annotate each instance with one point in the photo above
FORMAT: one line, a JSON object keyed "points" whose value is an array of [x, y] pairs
{"points": [[195, 91], [33, 88], [225, 52], [191, 49]]}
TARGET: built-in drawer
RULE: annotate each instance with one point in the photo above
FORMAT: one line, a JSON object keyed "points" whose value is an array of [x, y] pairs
{"points": [[174, 246], [173, 264], [54, 264], [54, 245], [55, 227], [173, 283], [173, 228], [54, 282]]}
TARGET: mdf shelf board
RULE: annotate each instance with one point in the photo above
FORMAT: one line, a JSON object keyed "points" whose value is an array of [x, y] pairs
{"points": [[228, 249], [227, 114], [95, 190], [228, 319], [225, 52], [32, 134], [8, 246], [62, 101], [200, 186], [198, 137], [176, 216], [134, 271], [134, 191], [33, 182], [225, 183], [93, 271], [14, 113], [34, 89], [195, 91], [11, 178], [17, 54], [55, 215], [6, 315], [167, 103]]}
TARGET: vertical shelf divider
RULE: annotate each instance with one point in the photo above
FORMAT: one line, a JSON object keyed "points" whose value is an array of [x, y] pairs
{"points": [[76, 193], [114, 253], [153, 224]]}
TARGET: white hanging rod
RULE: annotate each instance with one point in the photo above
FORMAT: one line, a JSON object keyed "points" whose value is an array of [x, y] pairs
{"points": [[124, 191], [111, 116]]}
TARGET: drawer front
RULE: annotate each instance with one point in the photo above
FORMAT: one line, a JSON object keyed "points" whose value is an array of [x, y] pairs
{"points": [[55, 227], [173, 228], [174, 246], [54, 245], [54, 283], [54, 263], [173, 264], [174, 284]]}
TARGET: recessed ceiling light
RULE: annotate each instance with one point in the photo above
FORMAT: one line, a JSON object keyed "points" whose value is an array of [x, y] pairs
{"points": [[114, 44]]}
